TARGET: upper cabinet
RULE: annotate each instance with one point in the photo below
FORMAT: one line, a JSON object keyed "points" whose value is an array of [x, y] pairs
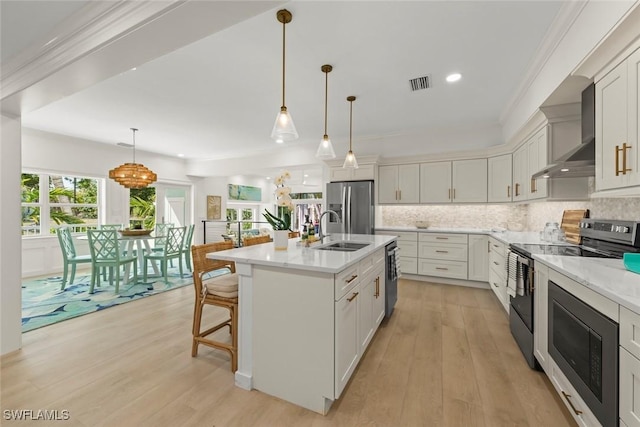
{"points": [[520, 172], [338, 173], [398, 184], [537, 158], [500, 179], [460, 181], [617, 98]]}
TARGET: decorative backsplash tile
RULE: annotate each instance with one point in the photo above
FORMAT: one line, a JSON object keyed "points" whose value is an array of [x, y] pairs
{"points": [[531, 217]]}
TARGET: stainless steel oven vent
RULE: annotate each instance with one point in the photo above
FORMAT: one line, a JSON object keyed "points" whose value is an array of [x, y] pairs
{"points": [[420, 83]]}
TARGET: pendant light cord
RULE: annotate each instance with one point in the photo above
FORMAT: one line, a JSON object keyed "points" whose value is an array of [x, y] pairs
{"points": [[134, 144], [350, 122], [284, 29], [326, 97]]}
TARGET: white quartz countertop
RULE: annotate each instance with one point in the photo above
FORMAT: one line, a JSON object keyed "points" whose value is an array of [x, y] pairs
{"points": [[436, 230], [608, 277], [300, 257]]}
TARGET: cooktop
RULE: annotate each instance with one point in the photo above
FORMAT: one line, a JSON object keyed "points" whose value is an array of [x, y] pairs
{"points": [[529, 249]]}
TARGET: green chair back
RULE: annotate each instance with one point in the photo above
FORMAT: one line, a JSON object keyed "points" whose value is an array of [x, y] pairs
{"points": [[110, 227], [66, 243], [188, 238], [161, 234], [175, 241], [104, 245]]}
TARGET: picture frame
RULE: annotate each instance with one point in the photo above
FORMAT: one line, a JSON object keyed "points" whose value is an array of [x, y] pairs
{"points": [[214, 207]]}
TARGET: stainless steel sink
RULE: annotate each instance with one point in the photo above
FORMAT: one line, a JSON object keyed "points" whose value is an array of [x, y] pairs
{"points": [[343, 246]]}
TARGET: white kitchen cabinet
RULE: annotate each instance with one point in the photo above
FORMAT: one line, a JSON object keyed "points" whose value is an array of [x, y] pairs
{"points": [[520, 171], [629, 368], [365, 301], [537, 156], [460, 181], [408, 245], [443, 255], [500, 179], [498, 271], [617, 123], [540, 318], [578, 409], [478, 258], [347, 348], [435, 182], [363, 172], [379, 298], [398, 184]]}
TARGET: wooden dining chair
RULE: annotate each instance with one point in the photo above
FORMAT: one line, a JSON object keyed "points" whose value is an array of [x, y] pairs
{"points": [[220, 291], [105, 252], [250, 241], [69, 256], [172, 250]]}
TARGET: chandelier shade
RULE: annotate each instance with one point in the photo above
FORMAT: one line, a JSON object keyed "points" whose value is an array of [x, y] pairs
{"points": [[325, 149], [284, 129], [133, 175], [350, 161]]}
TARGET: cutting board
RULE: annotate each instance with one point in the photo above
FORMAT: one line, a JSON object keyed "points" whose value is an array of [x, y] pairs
{"points": [[571, 224]]}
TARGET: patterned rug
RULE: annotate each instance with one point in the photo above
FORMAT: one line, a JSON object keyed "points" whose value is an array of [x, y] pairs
{"points": [[43, 303]]}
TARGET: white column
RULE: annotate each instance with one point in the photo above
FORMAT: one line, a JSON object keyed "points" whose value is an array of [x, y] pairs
{"points": [[10, 240]]}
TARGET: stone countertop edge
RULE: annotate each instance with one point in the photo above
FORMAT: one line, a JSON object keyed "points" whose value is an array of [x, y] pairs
{"points": [[607, 277], [306, 258], [506, 237]]}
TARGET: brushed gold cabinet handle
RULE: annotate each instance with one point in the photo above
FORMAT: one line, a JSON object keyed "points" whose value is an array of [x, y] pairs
{"points": [[508, 191], [355, 276], [533, 185], [442, 238], [454, 193], [355, 294], [624, 159], [442, 268], [449, 194], [617, 160], [400, 193], [517, 189], [442, 252], [495, 284], [488, 247], [377, 287], [567, 397], [495, 263]]}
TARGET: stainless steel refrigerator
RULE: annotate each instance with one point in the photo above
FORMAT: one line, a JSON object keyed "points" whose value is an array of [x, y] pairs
{"points": [[353, 201]]}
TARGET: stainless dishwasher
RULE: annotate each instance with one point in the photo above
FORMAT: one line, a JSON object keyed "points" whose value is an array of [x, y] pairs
{"points": [[392, 268]]}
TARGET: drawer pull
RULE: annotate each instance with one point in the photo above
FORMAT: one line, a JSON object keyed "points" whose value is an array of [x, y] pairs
{"points": [[496, 246], [517, 189], [508, 191], [567, 397], [355, 276], [442, 252], [495, 284], [442, 238], [495, 263], [355, 294], [442, 268]]}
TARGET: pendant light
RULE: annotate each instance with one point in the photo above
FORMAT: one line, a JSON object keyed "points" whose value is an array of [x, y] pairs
{"points": [[133, 175], [350, 161], [325, 149], [283, 128]]}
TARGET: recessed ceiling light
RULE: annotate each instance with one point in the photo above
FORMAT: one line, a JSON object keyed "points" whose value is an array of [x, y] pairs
{"points": [[545, 176], [133, 69], [306, 175], [564, 170], [454, 77], [268, 177], [180, 155]]}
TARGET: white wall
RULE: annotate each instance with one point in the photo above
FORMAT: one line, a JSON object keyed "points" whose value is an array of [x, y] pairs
{"points": [[10, 258]]}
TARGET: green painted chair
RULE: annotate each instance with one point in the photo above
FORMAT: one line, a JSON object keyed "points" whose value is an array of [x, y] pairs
{"points": [[105, 252], [186, 248], [69, 256], [161, 236], [110, 227], [172, 249]]}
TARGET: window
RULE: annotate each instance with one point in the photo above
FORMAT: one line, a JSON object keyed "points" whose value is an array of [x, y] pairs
{"points": [[49, 201], [243, 217], [142, 207]]}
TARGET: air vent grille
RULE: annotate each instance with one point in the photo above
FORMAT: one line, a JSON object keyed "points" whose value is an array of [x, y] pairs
{"points": [[420, 83]]}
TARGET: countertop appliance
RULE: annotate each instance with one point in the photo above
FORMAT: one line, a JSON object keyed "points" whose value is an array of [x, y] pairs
{"points": [[354, 203], [392, 268], [600, 239]]}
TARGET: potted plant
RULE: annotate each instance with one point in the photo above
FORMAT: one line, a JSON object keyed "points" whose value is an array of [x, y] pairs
{"points": [[281, 223]]}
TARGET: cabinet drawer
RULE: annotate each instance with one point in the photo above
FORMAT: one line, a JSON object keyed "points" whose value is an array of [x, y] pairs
{"points": [[443, 251], [442, 238], [498, 247], [629, 388], [497, 276], [452, 269], [630, 331], [345, 280], [408, 248], [497, 262], [366, 265], [408, 265], [567, 394], [404, 236]]}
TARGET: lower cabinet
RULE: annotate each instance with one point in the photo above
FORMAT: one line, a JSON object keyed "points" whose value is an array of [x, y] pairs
{"points": [[498, 271], [347, 348], [629, 368], [408, 244], [478, 258], [443, 255]]}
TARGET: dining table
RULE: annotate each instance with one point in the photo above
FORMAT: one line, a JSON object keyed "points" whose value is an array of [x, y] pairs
{"points": [[141, 243]]}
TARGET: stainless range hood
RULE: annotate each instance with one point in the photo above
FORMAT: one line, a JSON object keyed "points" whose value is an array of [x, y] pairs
{"points": [[581, 160]]}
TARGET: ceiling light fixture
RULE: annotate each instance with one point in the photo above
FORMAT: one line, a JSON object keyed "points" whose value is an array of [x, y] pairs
{"points": [[350, 161], [451, 78], [325, 149], [283, 129], [133, 175]]}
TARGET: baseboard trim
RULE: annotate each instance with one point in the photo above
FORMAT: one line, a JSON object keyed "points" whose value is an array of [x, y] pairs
{"points": [[447, 281]]}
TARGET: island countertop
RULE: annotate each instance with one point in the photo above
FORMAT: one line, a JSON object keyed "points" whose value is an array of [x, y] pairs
{"points": [[299, 257]]}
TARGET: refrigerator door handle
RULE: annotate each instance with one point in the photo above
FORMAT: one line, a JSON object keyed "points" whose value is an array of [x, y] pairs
{"points": [[344, 205], [348, 229]]}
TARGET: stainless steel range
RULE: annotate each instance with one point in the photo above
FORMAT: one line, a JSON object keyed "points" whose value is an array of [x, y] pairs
{"points": [[599, 238]]}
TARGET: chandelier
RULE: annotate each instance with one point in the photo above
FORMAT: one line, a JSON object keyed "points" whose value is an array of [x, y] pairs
{"points": [[133, 175]]}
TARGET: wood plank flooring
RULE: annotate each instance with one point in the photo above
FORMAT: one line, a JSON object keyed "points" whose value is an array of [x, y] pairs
{"points": [[445, 358]]}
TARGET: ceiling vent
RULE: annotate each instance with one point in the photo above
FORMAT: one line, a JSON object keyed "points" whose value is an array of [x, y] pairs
{"points": [[420, 83]]}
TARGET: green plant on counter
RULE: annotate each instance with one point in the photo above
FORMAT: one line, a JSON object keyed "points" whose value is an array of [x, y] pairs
{"points": [[278, 223]]}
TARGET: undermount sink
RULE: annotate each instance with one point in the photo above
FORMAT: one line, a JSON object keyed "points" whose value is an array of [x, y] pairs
{"points": [[343, 246]]}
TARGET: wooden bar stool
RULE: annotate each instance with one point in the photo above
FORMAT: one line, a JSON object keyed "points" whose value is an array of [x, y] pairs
{"points": [[250, 241], [221, 291]]}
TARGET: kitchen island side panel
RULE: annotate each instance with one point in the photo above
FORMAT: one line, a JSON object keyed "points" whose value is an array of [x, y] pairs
{"points": [[293, 335]]}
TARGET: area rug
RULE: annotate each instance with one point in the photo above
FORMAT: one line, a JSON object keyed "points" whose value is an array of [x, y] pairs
{"points": [[43, 303]]}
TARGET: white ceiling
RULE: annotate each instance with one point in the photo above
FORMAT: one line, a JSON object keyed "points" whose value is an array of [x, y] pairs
{"points": [[217, 98]]}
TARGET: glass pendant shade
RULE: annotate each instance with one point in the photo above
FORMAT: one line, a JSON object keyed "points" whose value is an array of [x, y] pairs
{"points": [[133, 175], [283, 128], [350, 161], [325, 149]]}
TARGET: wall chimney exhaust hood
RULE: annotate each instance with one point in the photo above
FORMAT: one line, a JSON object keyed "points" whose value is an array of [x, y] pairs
{"points": [[580, 161]]}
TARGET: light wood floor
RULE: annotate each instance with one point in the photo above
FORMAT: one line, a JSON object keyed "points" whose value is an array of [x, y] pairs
{"points": [[445, 358]]}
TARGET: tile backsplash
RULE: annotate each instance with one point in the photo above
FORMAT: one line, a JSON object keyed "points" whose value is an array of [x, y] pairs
{"points": [[531, 217]]}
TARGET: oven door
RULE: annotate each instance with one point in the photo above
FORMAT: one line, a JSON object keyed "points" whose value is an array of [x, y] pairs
{"points": [[522, 302]]}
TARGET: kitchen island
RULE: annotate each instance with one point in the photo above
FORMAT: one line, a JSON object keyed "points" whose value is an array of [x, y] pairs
{"points": [[306, 315]]}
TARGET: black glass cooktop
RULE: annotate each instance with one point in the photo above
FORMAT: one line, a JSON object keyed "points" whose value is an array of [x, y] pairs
{"points": [[563, 250]]}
